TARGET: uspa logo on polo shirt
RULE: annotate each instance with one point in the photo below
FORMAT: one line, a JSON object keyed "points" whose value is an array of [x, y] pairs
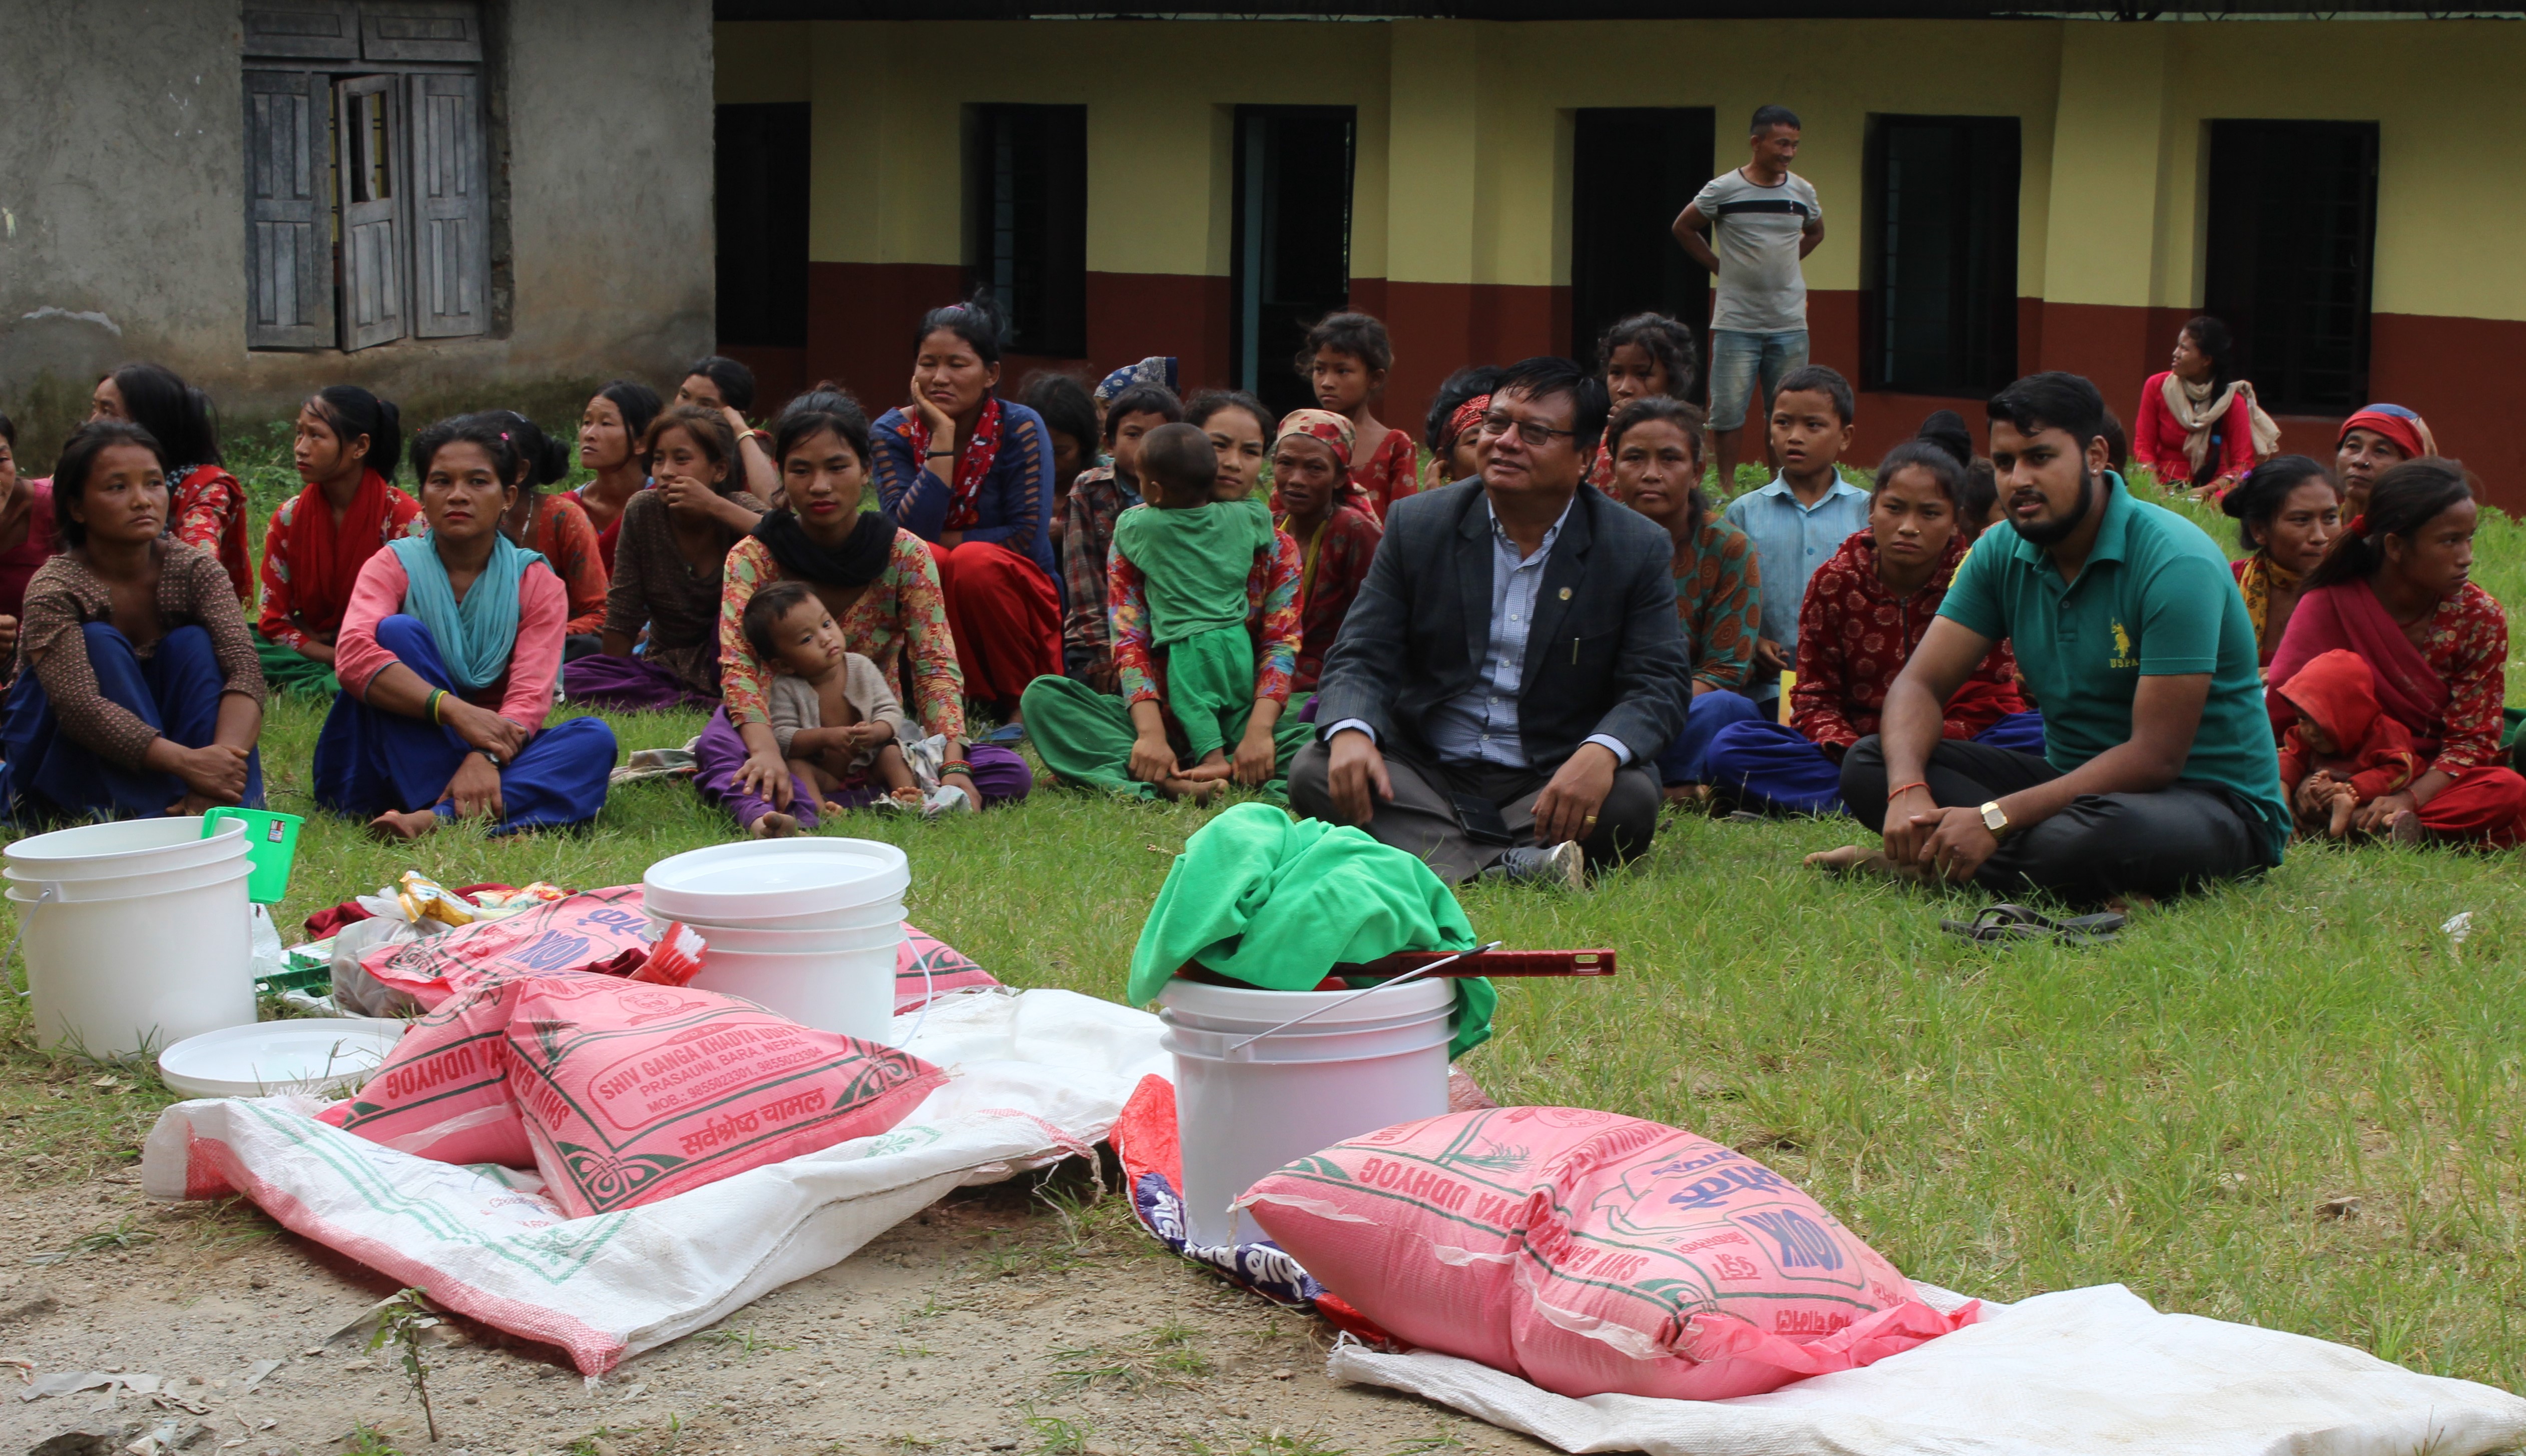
{"points": [[2122, 649]]}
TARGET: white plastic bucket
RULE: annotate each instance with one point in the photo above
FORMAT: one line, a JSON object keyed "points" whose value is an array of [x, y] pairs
{"points": [[128, 847], [753, 879], [798, 942], [35, 880], [850, 991], [1375, 1062], [886, 912], [110, 977]]}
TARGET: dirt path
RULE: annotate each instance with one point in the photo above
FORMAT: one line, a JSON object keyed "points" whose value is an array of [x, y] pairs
{"points": [[990, 1322]]}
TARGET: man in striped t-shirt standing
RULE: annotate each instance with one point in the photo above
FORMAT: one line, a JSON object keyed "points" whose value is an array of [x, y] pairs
{"points": [[1762, 219]]}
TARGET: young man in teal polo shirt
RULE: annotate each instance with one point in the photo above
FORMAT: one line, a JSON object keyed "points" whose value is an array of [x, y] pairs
{"points": [[2158, 772]]}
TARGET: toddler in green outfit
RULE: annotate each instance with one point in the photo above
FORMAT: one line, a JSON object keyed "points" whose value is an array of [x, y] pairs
{"points": [[1194, 553]]}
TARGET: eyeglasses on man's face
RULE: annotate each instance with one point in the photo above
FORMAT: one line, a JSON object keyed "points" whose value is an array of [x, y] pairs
{"points": [[1499, 423]]}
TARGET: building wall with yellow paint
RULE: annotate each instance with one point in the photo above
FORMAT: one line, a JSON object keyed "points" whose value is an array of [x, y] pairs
{"points": [[1462, 194]]}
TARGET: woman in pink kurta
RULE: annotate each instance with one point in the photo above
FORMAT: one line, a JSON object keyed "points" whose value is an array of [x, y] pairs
{"points": [[447, 656]]}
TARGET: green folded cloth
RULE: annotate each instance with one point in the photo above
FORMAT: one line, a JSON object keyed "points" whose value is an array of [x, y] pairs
{"points": [[1278, 903], [287, 669]]}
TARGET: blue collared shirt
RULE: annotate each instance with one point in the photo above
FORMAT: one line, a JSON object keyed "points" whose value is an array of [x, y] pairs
{"points": [[1791, 540], [1481, 725]]}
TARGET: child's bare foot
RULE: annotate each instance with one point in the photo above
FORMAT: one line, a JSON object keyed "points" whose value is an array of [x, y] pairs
{"points": [[2341, 824], [774, 825], [1185, 786], [1844, 861], [1859, 859], [412, 826], [2407, 829], [1208, 770]]}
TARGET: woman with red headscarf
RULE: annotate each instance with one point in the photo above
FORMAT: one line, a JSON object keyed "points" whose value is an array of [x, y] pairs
{"points": [[1448, 431], [1336, 538], [2373, 441], [2395, 590]]}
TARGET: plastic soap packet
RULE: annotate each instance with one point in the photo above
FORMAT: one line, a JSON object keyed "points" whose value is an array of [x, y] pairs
{"points": [[424, 898]]}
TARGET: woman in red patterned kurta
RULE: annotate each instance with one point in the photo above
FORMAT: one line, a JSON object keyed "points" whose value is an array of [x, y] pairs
{"points": [[1866, 608], [2395, 590]]}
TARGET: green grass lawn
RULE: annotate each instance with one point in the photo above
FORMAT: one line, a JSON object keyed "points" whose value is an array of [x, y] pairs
{"points": [[2169, 1112]]}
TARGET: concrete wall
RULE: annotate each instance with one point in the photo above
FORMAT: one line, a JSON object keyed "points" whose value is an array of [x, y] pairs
{"points": [[1461, 203], [122, 219]]}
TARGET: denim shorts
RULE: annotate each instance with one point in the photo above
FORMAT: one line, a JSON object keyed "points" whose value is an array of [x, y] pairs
{"points": [[1734, 360]]}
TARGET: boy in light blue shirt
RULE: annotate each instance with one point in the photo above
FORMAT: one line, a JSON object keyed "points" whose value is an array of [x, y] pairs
{"points": [[1800, 520]]}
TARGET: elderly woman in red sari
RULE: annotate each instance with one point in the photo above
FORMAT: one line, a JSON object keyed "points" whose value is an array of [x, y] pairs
{"points": [[2395, 591]]}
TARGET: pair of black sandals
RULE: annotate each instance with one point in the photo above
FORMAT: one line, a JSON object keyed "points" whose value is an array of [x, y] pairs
{"points": [[2013, 922]]}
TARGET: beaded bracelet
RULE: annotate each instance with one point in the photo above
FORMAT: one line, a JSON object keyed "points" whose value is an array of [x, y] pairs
{"points": [[955, 766]]}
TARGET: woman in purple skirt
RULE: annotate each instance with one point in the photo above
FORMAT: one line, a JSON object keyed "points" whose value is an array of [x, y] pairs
{"points": [[667, 567]]}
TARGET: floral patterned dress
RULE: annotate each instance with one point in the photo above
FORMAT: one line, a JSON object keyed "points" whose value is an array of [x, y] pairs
{"points": [[209, 513], [1854, 636]]}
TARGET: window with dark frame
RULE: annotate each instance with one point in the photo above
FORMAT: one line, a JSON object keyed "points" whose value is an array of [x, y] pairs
{"points": [[761, 201], [1025, 222], [368, 188], [1291, 262], [2292, 243], [1939, 255], [1632, 168]]}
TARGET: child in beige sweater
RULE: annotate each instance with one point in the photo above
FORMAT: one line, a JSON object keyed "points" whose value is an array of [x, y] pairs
{"points": [[836, 720]]}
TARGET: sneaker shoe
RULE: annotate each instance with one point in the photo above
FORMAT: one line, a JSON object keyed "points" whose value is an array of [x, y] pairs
{"points": [[1562, 867]]}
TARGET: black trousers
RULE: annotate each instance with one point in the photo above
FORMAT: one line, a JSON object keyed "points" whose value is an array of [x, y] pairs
{"points": [[2163, 844], [1421, 819]]}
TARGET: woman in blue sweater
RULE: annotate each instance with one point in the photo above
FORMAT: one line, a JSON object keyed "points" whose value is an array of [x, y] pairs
{"points": [[972, 474]]}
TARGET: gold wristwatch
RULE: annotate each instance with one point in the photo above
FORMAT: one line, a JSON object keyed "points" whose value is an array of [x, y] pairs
{"points": [[1994, 820]]}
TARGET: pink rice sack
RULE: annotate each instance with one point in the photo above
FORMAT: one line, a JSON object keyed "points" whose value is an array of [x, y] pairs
{"points": [[636, 1092], [601, 931], [444, 1091], [1592, 1254]]}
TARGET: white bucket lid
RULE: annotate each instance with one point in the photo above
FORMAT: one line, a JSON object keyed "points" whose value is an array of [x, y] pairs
{"points": [[125, 888], [1218, 1023], [1248, 1009], [130, 846], [719, 939], [853, 918], [268, 1057], [866, 958], [759, 878]]}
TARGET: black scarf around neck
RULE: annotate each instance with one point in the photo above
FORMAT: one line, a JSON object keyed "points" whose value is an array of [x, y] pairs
{"points": [[860, 559]]}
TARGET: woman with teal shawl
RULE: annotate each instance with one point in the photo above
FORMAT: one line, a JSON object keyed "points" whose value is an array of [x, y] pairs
{"points": [[447, 656]]}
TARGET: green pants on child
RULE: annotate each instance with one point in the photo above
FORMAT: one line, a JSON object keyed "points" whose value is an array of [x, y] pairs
{"points": [[1085, 737]]}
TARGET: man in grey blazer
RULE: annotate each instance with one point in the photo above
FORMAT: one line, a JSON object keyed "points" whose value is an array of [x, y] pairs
{"points": [[1511, 668]]}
